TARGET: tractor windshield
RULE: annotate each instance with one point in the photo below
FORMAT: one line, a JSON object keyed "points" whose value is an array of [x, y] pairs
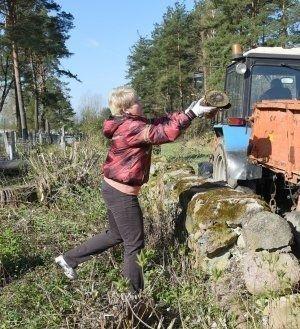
{"points": [[274, 82]]}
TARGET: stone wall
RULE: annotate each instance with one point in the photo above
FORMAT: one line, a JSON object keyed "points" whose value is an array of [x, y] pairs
{"points": [[244, 249]]}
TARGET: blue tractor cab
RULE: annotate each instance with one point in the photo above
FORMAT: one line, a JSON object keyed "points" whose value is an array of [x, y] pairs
{"points": [[263, 73]]}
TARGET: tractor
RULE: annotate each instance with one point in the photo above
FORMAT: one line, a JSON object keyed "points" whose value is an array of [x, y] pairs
{"points": [[263, 85]]}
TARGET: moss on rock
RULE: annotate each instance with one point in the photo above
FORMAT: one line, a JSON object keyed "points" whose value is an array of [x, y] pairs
{"points": [[216, 239], [220, 205], [212, 216], [185, 183]]}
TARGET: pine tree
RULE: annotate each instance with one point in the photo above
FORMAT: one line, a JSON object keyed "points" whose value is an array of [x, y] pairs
{"points": [[160, 67], [250, 23], [172, 45], [141, 73], [36, 32]]}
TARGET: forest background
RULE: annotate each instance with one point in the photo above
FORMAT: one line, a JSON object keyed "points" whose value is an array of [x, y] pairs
{"points": [[162, 67]]}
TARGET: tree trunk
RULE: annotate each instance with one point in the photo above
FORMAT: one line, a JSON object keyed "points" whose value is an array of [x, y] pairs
{"points": [[6, 84], [42, 91], [284, 25], [37, 96], [19, 93], [180, 72], [18, 119], [36, 114], [10, 22], [204, 60], [48, 130]]}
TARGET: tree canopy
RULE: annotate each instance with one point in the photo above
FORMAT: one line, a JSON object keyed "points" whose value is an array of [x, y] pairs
{"points": [[161, 66], [32, 43]]}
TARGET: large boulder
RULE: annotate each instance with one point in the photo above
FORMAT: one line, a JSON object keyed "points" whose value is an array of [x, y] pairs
{"points": [[213, 216], [283, 313], [158, 198], [186, 183], [216, 264], [228, 289], [294, 219], [270, 272], [216, 239], [267, 231], [219, 204], [177, 169]]}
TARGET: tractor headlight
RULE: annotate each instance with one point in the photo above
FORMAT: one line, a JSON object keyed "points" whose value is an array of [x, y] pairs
{"points": [[241, 68]]}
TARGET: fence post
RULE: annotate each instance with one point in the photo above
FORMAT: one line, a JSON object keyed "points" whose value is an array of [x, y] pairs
{"points": [[13, 145], [40, 138], [8, 147], [62, 138], [34, 138]]}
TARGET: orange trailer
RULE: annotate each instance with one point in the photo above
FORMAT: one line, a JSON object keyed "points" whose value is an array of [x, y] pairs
{"points": [[275, 138]]}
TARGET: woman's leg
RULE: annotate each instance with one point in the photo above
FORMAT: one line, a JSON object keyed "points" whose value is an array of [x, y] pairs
{"points": [[125, 224], [133, 236], [129, 220], [95, 245]]}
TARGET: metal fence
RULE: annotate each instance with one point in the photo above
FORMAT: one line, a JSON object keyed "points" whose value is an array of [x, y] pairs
{"points": [[11, 146]]}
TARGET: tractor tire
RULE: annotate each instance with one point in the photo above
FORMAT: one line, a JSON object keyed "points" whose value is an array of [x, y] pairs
{"points": [[220, 167]]}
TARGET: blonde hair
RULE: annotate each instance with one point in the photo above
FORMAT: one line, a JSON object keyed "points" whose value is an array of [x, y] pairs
{"points": [[122, 98]]}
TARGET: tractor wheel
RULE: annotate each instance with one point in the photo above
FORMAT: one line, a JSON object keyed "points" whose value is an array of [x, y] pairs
{"points": [[220, 167]]}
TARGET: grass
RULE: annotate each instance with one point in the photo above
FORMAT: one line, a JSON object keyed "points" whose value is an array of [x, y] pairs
{"points": [[190, 151], [34, 294]]}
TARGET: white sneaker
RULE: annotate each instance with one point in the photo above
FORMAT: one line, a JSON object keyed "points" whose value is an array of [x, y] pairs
{"points": [[68, 270]]}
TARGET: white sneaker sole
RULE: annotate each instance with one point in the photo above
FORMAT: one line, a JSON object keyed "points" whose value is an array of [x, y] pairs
{"points": [[68, 270]]}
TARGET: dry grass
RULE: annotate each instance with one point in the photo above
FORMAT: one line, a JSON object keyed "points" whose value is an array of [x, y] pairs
{"points": [[34, 294]]}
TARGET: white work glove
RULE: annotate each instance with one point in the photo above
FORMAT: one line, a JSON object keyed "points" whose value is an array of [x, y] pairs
{"points": [[198, 109]]}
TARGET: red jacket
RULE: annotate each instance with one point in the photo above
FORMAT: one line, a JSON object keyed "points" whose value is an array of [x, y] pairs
{"points": [[129, 156]]}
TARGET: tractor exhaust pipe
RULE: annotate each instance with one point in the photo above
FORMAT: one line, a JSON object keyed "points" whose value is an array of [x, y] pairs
{"points": [[237, 51]]}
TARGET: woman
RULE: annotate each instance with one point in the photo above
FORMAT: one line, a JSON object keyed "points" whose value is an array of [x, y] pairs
{"points": [[125, 170]]}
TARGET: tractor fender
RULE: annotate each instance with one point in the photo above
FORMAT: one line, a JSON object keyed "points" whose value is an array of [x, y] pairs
{"points": [[234, 141]]}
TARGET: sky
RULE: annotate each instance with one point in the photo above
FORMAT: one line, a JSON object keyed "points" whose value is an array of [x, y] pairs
{"points": [[101, 40]]}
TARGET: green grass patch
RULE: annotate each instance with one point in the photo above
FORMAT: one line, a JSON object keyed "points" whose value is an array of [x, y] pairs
{"points": [[190, 151]]}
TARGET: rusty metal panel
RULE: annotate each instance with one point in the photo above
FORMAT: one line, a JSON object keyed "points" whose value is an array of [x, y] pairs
{"points": [[275, 137]]}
